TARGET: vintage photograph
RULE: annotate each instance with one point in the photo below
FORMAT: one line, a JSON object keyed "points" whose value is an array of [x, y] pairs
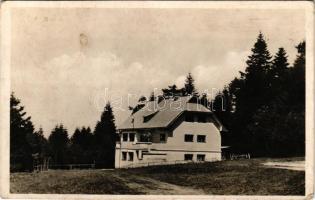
{"points": [[158, 98]]}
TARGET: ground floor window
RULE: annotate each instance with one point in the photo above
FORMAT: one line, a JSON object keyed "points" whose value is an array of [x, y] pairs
{"points": [[201, 157], [130, 156], [188, 156], [124, 155]]}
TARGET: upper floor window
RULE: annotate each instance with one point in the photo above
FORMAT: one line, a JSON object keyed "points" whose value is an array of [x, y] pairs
{"points": [[201, 138], [162, 137], [131, 137], [145, 137], [125, 137], [189, 138]]}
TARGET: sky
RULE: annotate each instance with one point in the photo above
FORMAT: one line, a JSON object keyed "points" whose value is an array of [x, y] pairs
{"points": [[67, 63]]}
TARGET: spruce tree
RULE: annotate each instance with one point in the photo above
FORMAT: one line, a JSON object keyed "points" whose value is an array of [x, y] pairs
{"points": [[21, 130], [278, 74], [105, 139], [250, 92], [190, 86], [58, 144]]}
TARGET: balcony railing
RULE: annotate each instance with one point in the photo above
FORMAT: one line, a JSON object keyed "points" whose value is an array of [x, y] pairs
{"points": [[135, 145]]}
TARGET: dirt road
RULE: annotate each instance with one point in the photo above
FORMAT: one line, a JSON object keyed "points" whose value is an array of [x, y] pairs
{"points": [[293, 165], [155, 187]]}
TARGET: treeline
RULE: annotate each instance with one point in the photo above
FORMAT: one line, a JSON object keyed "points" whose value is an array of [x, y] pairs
{"points": [[29, 147], [264, 108]]}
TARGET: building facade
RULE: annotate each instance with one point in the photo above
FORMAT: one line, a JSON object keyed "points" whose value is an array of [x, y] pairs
{"points": [[171, 131]]}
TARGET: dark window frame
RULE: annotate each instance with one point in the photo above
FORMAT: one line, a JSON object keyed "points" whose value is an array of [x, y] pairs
{"points": [[188, 157], [124, 155], [132, 139], [187, 139], [202, 156], [204, 140], [125, 137], [164, 137], [130, 156]]}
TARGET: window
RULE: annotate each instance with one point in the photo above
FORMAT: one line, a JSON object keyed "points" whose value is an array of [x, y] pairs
{"points": [[188, 156], [131, 137], [201, 138], [124, 155], [125, 137], [130, 156], [201, 157], [189, 138], [162, 137], [145, 137]]}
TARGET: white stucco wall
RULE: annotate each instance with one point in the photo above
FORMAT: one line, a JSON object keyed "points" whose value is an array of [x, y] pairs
{"points": [[175, 146]]}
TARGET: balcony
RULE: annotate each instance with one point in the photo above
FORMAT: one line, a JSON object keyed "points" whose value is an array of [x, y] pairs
{"points": [[135, 145], [142, 145]]}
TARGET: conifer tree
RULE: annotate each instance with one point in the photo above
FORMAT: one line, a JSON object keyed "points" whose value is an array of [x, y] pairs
{"points": [[190, 86], [105, 138], [250, 92], [21, 129], [58, 144]]}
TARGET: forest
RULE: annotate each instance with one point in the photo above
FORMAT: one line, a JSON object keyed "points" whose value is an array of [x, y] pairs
{"points": [[263, 109]]}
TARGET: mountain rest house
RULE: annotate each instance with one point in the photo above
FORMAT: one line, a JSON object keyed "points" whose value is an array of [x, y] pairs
{"points": [[170, 131]]}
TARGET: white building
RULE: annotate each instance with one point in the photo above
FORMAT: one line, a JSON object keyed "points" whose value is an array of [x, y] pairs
{"points": [[169, 131]]}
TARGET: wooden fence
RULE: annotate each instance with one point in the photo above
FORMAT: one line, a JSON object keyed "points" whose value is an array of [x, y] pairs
{"points": [[68, 167]]}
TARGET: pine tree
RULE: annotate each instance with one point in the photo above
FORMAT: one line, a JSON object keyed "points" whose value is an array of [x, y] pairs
{"points": [[82, 146], [280, 64], [21, 129], [297, 73], [105, 138], [278, 73], [172, 91], [190, 86], [58, 143], [249, 93]]}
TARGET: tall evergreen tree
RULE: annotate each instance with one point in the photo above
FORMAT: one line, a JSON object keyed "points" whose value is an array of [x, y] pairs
{"points": [[190, 86], [59, 143], [172, 91], [21, 129], [105, 138], [278, 74], [82, 146], [297, 73], [249, 93]]}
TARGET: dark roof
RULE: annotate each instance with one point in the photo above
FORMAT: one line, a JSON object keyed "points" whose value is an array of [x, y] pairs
{"points": [[162, 114]]}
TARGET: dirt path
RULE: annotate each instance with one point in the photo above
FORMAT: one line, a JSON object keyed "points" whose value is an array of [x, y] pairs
{"points": [[154, 187], [294, 165]]}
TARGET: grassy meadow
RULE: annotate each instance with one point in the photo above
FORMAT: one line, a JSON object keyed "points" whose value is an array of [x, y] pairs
{"points": [[238, 177]]}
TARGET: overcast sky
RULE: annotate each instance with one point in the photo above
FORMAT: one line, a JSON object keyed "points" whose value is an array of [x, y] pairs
{"points": [[64, 59]]}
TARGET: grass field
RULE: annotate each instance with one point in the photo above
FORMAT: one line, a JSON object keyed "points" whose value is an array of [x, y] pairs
{"points": [[240, 177]]}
